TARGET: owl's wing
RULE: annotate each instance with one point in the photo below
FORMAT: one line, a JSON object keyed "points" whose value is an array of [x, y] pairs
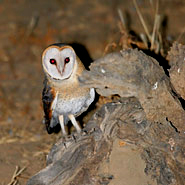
{"points": [[47, 98]]}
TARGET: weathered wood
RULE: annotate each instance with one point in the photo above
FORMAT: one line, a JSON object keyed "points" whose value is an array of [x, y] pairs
{"points": [[148, 116], [77, 161], [133, 73], [176, 57]]}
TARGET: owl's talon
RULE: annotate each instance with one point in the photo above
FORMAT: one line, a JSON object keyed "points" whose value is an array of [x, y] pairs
{"points": [[74, 122], [74, 138], [64, 143], [61, 120], [84, 132]]}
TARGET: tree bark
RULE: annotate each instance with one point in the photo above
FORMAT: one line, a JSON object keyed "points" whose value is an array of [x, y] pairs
{"points": [[132, 73], [148, 116]]}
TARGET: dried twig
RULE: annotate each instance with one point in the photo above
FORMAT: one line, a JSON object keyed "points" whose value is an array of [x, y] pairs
{"points": [[32, 24], [155, 31], [144, 39], [142, 20], [156, 22], [16, 173], [121, 18]]}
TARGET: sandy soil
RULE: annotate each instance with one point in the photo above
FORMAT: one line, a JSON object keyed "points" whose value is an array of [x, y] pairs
{"points": [[126, 165], [27, 27]]}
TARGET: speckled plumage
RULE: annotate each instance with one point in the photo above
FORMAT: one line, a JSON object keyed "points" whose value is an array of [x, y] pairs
{"points": [[64, 98]]}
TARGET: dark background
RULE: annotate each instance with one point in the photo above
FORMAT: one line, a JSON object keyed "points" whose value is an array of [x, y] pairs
{"points": [[26, 29]]}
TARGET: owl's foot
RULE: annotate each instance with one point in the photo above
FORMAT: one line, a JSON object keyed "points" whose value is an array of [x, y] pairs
{"points": [[61, 120], [74, 122]]}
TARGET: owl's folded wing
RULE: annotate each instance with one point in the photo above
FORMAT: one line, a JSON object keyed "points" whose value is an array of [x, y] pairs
{"points": [[47, 99]]}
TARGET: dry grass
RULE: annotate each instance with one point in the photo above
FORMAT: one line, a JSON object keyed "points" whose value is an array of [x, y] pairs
{"points": [[149, 40], [155, 37], [16, 174]]}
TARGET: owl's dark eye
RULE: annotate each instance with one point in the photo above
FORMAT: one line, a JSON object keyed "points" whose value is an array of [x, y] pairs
{"points": [[52, 61], [67, 60]]}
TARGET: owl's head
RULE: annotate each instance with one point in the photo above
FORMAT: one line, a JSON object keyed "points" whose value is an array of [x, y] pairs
{"points": [[59, 61]]}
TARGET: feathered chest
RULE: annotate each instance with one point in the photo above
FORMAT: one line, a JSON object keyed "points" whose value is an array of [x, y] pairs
{"points": [[65, 104]]}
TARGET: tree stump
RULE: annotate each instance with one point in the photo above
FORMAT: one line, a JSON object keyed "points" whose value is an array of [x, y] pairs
{"points": [[148, 116]]}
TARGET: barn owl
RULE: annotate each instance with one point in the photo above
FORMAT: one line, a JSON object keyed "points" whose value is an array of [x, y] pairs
{"points": [[63, 97]]}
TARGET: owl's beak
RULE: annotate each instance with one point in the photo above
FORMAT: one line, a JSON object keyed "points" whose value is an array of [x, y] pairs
{"points": [[58, 69]]}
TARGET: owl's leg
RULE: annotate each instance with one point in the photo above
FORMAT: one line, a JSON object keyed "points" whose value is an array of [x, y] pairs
{"points": [[74, 122], [61, 120]]}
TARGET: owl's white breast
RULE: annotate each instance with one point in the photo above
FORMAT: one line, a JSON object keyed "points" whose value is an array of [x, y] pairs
{"points": [[74, 106]]}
